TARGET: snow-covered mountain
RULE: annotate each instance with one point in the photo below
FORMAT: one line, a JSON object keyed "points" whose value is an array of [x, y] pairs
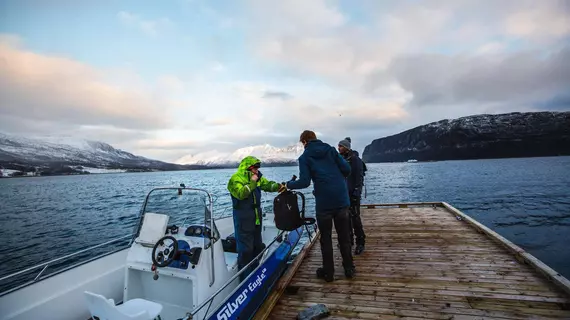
{"points": [[46, 151], [266, 153], [509, 135]]}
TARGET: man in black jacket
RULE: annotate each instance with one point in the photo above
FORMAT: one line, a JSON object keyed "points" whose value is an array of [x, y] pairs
{"points": [[355, 182]]}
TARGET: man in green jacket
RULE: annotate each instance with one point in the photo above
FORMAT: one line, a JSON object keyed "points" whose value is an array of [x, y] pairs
{"points": [[245, 189]]}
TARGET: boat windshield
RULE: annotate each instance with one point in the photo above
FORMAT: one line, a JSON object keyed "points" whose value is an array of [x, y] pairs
{"points": [[183, 206]]}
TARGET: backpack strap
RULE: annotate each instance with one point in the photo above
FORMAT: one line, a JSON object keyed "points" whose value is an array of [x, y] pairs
{"points": [[307, 221]]}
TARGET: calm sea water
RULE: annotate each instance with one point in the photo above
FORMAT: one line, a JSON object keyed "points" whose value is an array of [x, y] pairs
{"points": [[525, 200]]}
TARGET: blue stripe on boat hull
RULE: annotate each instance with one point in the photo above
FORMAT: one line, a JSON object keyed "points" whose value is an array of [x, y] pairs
{"points": [[250, 295]]}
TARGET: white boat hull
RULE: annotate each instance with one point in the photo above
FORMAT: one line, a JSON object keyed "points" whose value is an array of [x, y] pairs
{"points": [[201, 279], [61, 296]]}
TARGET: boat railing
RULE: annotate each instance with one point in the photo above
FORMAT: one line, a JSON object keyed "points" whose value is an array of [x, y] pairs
{"points": [[208, 302], [45, 265]]}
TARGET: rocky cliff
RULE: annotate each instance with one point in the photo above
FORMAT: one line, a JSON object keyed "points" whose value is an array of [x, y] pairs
{"points": [[532, 134]]}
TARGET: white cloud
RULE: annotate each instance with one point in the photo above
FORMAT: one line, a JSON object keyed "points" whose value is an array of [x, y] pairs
{"points": [[296, 16], [323, 42], [219, 122], [373, 55], [171, 84], [41, 87]]}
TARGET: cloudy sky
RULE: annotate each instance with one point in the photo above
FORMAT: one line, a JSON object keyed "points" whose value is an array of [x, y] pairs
{"points": [[165, 79]]}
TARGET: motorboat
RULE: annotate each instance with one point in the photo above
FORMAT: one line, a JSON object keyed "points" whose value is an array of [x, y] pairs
{"points": [[180, 264]]}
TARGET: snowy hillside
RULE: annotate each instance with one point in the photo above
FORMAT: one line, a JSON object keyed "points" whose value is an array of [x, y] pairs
{"points": [[46, 151], [529, 134], [266, 153]]}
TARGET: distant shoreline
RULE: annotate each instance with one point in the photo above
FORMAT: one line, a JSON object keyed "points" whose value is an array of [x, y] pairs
{"points": [[266, 166], [133, 170], [467, 159]]}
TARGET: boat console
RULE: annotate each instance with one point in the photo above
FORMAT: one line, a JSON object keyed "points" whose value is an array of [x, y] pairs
{"points": [[181, 265]]}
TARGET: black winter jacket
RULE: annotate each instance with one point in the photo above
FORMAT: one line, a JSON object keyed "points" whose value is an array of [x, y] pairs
{"points": [[355, 180]]}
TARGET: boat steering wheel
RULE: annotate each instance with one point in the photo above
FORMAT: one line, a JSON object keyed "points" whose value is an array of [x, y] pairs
{"points": [[166, 253]]}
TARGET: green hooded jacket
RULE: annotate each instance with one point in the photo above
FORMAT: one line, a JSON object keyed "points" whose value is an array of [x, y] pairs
{"points": [[242, 187]]}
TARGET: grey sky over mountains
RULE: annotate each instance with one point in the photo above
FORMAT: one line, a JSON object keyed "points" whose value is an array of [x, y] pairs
{"points": [[363, 69]]}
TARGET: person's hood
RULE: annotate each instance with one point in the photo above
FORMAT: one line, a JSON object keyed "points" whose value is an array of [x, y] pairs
{"points": [[318, 149], [247, 162]]}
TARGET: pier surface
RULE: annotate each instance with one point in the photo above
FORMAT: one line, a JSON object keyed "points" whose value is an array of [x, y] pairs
{"points": [[424, 261]]}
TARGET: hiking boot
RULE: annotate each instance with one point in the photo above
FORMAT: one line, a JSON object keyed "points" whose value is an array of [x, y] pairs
{"points": [[322, 275], [359, 249], [349, 272]]}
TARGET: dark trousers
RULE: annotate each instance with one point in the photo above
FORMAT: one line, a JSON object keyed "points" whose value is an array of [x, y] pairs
{"points": [[342, 224], [356, 228], [249, 243]]}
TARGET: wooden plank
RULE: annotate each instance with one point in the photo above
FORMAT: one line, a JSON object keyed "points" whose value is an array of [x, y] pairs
{"points": [[421, 276], [471, 287], [435, 310], [428, 282], [552, 275], [402, 205], [423, 262]]}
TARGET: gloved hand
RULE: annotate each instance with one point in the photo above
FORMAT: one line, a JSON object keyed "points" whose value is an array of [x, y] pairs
{"points": [[282, 187], [355, 195]]}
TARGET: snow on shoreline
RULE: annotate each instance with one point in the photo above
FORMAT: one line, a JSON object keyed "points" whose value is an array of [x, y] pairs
{"points": [[7, 173], [100, 170]]}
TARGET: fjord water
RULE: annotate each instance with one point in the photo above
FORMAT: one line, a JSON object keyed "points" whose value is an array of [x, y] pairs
{"points": [[525, 200]]}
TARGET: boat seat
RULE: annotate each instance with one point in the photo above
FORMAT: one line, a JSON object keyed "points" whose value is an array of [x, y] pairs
{"points": [[135, 309], [153, 228]]}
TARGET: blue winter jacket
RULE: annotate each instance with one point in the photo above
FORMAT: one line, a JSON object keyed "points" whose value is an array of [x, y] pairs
{"points": [[322, 164]]}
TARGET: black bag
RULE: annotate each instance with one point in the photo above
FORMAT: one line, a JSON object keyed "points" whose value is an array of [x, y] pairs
{"points": [[288, 217]]}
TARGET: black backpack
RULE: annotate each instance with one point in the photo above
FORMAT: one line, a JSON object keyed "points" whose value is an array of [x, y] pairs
{"points": [[288, 217]]}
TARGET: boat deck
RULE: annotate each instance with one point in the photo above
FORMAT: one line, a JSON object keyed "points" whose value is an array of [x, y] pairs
{"points": [[424, 261]]}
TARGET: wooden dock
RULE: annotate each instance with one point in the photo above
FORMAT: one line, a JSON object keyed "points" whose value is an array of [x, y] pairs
{"points": [[425, 260]]}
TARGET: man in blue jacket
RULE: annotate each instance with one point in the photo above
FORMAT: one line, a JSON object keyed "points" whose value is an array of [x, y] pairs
{"points": [[355, 182], [322, 164]]}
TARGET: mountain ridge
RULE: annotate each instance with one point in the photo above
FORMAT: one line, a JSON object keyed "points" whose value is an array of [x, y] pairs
{"points": [[53, 155], [69, 155], [484, 136], [268, 154]]}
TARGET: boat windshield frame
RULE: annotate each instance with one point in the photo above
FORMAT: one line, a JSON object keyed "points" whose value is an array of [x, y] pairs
{"points": [[212, 238]]}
